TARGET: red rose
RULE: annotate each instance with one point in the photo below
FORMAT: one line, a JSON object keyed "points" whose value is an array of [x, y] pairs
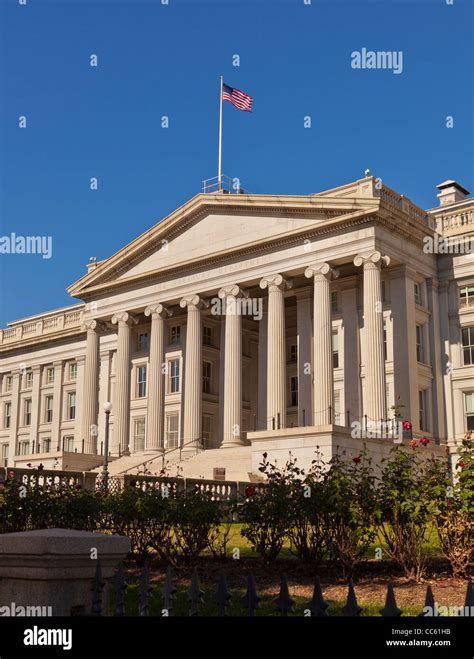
{"points": [[424, 441], [461, 464], [249, 491], [356, 459], [406, 425]]}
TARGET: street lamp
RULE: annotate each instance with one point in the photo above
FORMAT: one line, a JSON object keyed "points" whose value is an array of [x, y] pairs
{"points": [[105, 468]]}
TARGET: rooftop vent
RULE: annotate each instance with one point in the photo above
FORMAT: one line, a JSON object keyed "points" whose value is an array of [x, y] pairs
{"points": [[451, 192]]}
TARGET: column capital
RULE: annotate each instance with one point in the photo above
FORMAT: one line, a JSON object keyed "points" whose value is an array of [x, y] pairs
{"points": [[158, 310], [321, 270], [124, 317], [193, 302], [93, 324], [276, 282], [372, 259], [232, 290]]}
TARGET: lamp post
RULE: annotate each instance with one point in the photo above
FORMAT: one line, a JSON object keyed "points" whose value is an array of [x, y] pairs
{"points": [[105, 468]]}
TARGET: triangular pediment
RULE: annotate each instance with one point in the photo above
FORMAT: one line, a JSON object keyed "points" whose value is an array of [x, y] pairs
{"points": [[213, 226]]}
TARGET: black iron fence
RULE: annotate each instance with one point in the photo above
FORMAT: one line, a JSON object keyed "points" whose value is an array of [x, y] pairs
{"points": [[222, 597]]}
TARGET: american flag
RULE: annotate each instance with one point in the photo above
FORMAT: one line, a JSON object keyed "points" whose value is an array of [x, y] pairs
{"points": [[236, 97]]}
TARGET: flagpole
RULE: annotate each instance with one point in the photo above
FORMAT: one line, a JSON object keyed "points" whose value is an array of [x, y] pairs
{"points": [[219, 177]]}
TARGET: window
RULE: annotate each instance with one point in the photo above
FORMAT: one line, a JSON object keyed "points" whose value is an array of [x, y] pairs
{"points": [[71, 405], [171, 433], [469, 410], [46, 445], [7, 415], [418, 294], [68, 443], [206, 427], [206, 377], [48, 409], [175, 334], [72, 371], [5, 455], [173, 370], [49, 375], [139, 434], [28, 379], [466, 296], [334, 302], [8, 383], [141, 381], [335, 350], [294, 391], [384, 291], [422, 409], [293, 352], [468, 345], [142, 341], [27, 412], [207, 335], [24, 448], [419, 344], [385, 342]]}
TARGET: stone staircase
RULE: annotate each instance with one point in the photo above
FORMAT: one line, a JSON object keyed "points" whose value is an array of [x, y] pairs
{"points": [[236, 461]]}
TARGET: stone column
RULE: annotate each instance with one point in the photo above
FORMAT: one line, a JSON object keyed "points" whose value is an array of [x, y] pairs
{"points": [[121, 407], [35, 407], [56, 443], [232, 367], [351, 348], [91, 387], [262, 367], [323, 396], [276, 350], [193, 370], [304, 337], [375, 405], [155, 389]]}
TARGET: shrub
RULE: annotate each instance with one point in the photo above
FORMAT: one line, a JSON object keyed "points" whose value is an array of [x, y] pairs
{"points": [[405, 507], [454, 513]]}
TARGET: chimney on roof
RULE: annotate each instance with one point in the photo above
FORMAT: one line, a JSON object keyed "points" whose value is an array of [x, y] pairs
{"points": [[451, 192]]}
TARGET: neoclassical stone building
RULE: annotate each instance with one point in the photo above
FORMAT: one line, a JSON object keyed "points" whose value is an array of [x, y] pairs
{"points": [[246, 323]]}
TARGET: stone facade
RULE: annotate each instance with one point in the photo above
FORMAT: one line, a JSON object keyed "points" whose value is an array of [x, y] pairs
{"points": [[253, 320]]}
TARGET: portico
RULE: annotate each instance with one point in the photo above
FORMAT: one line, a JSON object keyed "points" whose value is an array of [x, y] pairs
{"points": [[241, 321]]}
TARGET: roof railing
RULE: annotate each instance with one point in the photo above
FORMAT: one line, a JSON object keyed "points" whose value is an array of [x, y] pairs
{"points": [[222, 185]]}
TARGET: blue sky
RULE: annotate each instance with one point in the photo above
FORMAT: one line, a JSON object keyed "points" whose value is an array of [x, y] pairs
{"points": [[155, 60]]}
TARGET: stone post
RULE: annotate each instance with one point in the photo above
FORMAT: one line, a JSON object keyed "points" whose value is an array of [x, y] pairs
{"points": [[121, 408], [323, 396], [276, 350], [375, 405], [155, 389]]}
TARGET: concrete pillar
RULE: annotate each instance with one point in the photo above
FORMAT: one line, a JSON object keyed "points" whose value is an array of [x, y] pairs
{"points": [[323, 401], [193, 370], [304, 341], [121, 406], [232, 367], [155, 388], [351, 347], [375, 403], [276, 350], [402, 298], [35, 407], [15, 415], [90, 399], [262, 368], [438, 404], [56, 443]]}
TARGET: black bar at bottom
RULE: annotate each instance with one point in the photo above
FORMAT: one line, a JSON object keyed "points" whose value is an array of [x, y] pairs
{"points": [[318, 638]]}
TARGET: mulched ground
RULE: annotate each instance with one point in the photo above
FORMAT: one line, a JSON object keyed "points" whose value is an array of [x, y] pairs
{"points": [[370, 581]]}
